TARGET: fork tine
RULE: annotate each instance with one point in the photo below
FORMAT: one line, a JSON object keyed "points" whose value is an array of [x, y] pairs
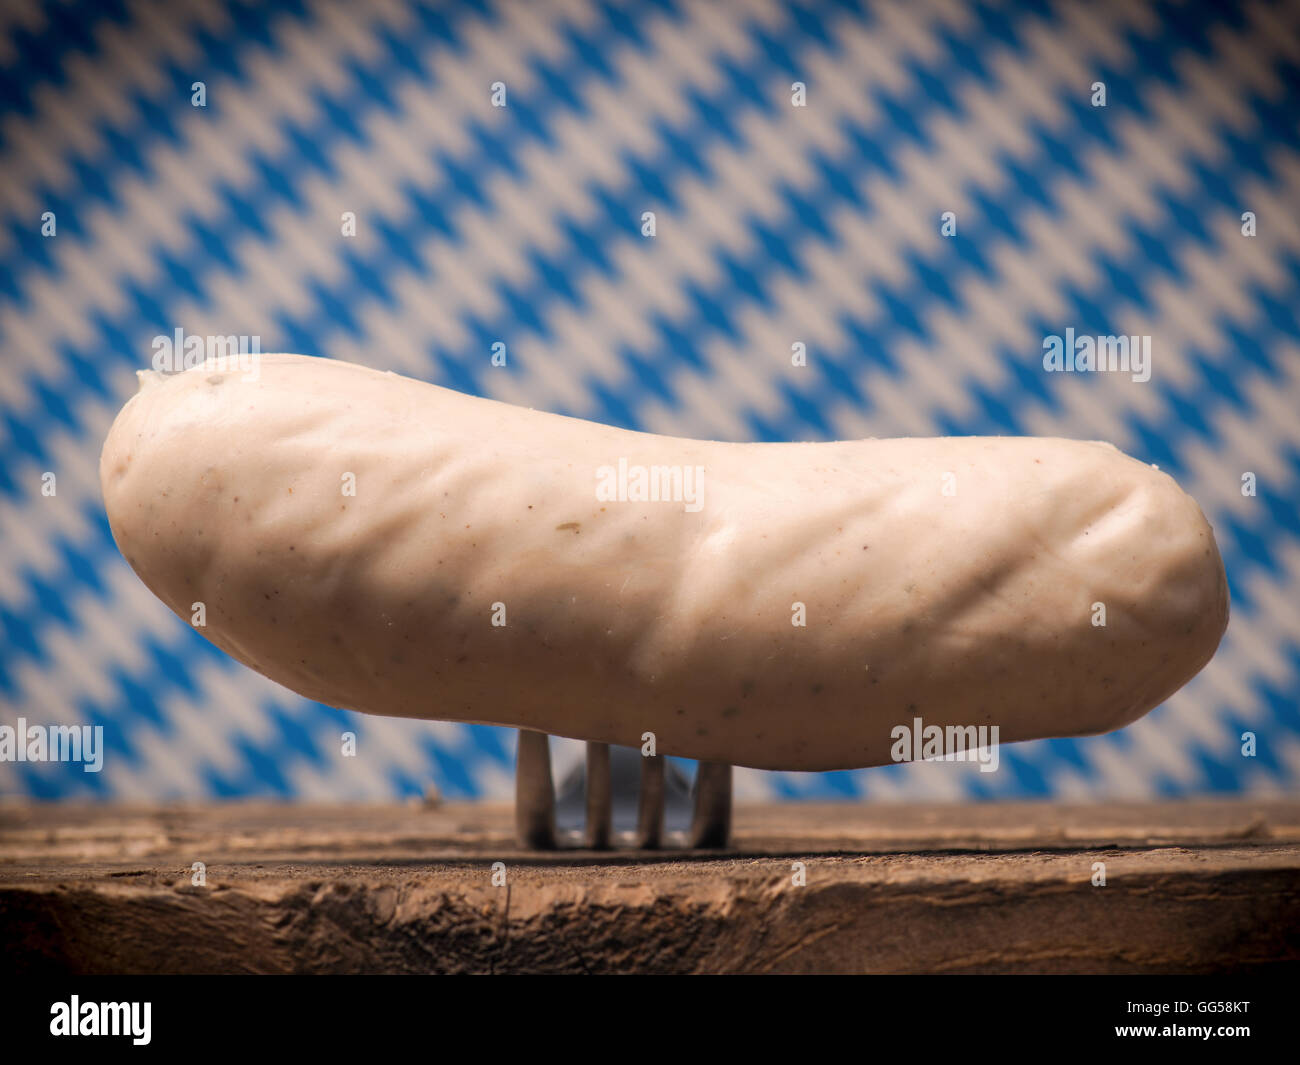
{"points": [[711, 823], [599, 796], [650, 810], [534, 792]]}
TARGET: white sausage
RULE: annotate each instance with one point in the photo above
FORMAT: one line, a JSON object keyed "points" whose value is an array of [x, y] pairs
{"points": [[949, 579]]}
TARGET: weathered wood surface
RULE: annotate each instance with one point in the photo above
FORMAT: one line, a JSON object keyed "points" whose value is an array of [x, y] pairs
{"points": [[1190, 887]]}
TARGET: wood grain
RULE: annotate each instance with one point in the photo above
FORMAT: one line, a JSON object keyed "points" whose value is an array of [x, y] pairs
{"points": [[1190, 887]]}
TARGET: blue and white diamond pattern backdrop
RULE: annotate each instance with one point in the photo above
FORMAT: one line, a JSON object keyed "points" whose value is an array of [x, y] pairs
{"points": [[775, 225]]}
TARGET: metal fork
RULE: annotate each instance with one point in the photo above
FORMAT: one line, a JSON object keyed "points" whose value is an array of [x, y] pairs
{"points": [[535, 800]]}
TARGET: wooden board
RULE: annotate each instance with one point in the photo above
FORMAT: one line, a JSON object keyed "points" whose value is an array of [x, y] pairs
{"points": [[1189, 887]]}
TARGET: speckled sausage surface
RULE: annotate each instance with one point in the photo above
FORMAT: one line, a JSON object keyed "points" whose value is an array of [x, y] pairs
{"points": [[393, 547]]}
